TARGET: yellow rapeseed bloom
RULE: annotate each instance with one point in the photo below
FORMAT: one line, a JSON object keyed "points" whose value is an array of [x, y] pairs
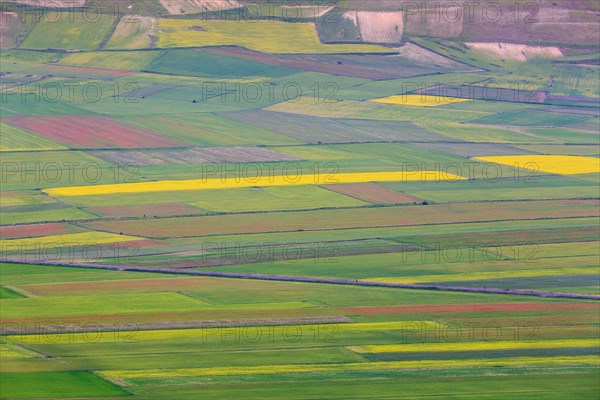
{"points": [[345, 367], [236, 182], [562, 165], [70, 239], [474, 346], [419, 100]]}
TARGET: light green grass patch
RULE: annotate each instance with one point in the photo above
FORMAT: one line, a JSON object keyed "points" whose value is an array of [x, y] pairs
{"points": [[118, 60], [73, 30], [272, 198]]}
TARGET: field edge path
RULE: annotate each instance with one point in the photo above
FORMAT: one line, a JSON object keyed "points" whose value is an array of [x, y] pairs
{"points": [[283, 278]]}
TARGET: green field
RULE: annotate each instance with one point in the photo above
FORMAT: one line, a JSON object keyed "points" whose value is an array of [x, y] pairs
{"points": [[197, 63], [76, 31], [121, 60], [68, 384], [316, 243]]}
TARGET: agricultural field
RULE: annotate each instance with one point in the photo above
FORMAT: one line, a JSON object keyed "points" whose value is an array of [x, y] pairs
{"points": [[343, 200], [134, 32], [109, 60], [267, 37], [69, 32]]}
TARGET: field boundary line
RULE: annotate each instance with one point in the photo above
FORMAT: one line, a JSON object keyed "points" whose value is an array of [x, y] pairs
{"points": [[299, 279]]}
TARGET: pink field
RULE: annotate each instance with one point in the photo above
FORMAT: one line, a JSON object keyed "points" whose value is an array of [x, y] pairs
{"points": [[372, 193], [35, 230], [92, 132]]}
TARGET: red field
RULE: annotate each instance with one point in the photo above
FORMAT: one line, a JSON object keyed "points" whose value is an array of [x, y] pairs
{"points": [[351, 218], [372, 193], [92, 132], [35, 230]]}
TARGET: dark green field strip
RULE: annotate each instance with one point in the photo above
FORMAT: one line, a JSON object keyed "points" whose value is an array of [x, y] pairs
{"points": [[549, 384], [6, 293], [187, 62], [72, 384]]}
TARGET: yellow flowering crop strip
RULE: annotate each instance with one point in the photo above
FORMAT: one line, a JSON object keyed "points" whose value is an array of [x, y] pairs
{"points": [[265, 36], [258, 181], [162, 334], [477, 276], [347, 367], [418, 100], [475, 346], [561, 165], [70, 239]]}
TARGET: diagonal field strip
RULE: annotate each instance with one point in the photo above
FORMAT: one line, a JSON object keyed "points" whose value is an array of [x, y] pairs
{"points": [[319, 280], [475, 346], [485, 275], [68, 239], [363, 366], [258, 181], [561, 165]]}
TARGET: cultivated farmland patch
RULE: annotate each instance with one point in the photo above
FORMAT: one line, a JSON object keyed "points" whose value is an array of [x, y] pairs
{"points": [[15, 139], [514, 52], [380, 27], [145, 210], [205, 155], [260, 35], [407, 62], [316, 130], [134, 32], [111, 60], [418, 100], [92, 132], [562, 165], [197, 6], [71, 32], [373, 193], [366, 217], [234, 182]]}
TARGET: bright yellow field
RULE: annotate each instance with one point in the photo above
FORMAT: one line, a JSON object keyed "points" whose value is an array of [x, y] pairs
{"points": [[71, 239], [419, 100], [261, 181], [366, 366], [264, 36], [562, 165], [474, 346], [477, 276], [209, 333]]}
